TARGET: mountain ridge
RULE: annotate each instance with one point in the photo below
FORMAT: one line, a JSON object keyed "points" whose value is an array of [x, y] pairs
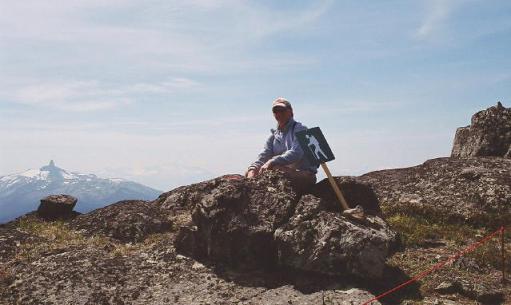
{"points": [[21, 192]]}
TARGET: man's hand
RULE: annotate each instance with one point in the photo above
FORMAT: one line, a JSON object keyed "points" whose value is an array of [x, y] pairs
{"points": [[251, 173], [267, 166]]}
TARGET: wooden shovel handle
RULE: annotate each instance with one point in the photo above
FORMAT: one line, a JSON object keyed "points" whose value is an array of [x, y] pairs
{"points": [[337, 191]]}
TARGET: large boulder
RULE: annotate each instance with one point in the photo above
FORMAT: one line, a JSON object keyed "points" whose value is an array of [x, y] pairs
{"points": [[262, 222], [488, 135], [126, 221], [326, 242], [57, 207], [234, 221]]}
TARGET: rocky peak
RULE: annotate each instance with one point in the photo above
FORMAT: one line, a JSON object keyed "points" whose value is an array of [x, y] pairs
{"points": [[53, 171], [488, 135], [50, 167]]}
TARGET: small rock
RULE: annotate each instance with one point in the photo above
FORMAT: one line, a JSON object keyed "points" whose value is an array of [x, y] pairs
{"points": [[448, 287], [472, 173], [197, 266], [181, 257], [482, 293], [129, 221], [57, 207]]}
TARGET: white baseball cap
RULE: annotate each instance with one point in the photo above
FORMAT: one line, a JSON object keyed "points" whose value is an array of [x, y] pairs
{"points": [[281, 102]]}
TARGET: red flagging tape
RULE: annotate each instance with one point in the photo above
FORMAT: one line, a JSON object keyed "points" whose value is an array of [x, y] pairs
{"points": [[438, 265]]}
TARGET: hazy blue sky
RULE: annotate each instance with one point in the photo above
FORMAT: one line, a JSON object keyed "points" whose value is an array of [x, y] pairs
{"points": [[172, 92]]}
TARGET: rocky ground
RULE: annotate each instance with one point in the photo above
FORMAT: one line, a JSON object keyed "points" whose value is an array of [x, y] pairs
{"points": [[476, 190], [103, 271], [224, 241], [136, 252]]}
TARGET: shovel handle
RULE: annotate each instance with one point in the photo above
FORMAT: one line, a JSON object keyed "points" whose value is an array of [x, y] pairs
{"points": [[337, 191]]}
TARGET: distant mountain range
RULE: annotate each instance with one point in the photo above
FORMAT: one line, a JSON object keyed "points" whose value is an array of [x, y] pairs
{"points": [[21, 193]]}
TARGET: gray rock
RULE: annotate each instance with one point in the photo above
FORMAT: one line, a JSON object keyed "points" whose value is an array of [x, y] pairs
{"points": [[9, 242], [287, 295], [152, 274], [439, 301], [482, 293], [473, 173], [448, 287], [57, 207], [234, 222], [257, 222], [126, 221], [328, 243], [488, 135], [475, 190]]}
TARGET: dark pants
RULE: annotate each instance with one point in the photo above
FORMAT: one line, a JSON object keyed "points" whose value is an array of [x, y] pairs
{"points": [[302, 180]]}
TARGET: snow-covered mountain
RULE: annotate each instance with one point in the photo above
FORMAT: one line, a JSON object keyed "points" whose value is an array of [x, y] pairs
{"points": [[21, 193]]}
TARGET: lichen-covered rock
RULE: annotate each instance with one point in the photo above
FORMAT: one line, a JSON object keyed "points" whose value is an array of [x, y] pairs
{"points": [[263, 216], [287, 295], [488, 135], [57, 207], [178, 203], [482, 293], [153, 274], [328, 243], [234, 222], [475, 190], [10, 240], [127, 221], [246, 222]]}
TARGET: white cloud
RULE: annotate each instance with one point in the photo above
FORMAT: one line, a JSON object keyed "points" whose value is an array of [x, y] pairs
{"points": [[198, 36], [83, 96], [261, 22], [168, 86], [436, 18], [71, 96]]}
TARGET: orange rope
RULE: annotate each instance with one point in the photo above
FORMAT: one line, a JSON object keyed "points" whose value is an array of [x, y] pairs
{"points": [[438, 265]]}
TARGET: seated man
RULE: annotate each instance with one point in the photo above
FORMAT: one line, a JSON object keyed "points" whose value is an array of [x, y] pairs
{"points": [[282, 150]]}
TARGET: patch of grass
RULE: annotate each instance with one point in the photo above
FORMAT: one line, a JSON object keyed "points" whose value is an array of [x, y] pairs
{"points": [[156, 238], [123, 250], [490, 253], [56, 231], [490, 220], [55, 236], [415, 231]]}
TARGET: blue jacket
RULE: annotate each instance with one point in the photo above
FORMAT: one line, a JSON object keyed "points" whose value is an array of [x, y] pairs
{"points": [[282, 148]]}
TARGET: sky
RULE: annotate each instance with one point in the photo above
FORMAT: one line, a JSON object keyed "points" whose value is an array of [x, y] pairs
{"points": [[168, 93]]}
